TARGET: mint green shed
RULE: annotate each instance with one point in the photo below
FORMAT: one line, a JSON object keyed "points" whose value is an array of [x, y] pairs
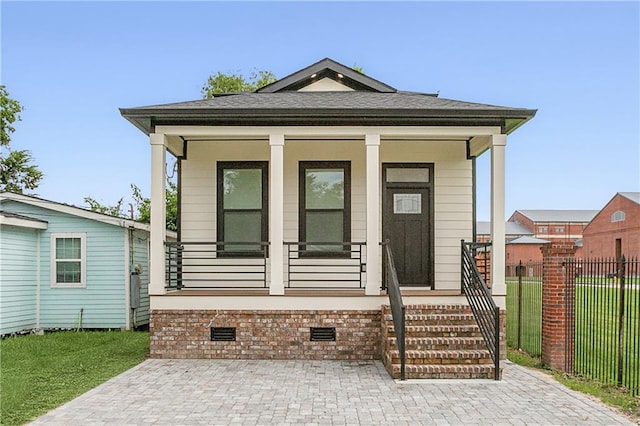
{"points": [[66, 267]]}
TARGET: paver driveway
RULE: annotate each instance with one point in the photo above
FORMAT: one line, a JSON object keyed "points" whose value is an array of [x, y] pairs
{"points": [[219, 392]]}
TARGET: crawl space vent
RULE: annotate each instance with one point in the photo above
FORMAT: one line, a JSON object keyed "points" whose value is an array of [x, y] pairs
{"points": [[323, 334], [223, 334]]}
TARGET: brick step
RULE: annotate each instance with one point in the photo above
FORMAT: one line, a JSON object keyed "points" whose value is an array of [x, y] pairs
{"points": [[435, 319], [434, 357], [431, 309], [440, 343], [444, 371], [438, 331]]}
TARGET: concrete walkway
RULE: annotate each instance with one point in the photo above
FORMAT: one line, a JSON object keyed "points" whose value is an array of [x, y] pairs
{"points": [[240, 392]]}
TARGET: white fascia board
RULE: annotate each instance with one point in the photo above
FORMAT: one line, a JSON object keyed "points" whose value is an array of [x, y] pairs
{"points": [[463, 132], [23, 223]]}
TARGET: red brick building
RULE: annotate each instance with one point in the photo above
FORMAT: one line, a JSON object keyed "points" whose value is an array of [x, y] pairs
{"points": [[556, 225], [615, 230]]}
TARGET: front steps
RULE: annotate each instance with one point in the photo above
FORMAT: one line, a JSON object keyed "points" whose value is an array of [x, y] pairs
{"points": [[442, 342]]}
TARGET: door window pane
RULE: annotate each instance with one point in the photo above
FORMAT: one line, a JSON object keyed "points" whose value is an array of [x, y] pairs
{"points": [[324, 189], [405, 174], [242, 188], [407, 203]]}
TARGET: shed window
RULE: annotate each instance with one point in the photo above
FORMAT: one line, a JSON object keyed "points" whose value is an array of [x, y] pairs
{"points": [[325, 207], [68, 260]]}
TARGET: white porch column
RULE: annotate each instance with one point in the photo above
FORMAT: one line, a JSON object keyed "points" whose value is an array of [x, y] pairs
{"points": [[276, 213], [372, 144], [158, 221], [498, 146]]}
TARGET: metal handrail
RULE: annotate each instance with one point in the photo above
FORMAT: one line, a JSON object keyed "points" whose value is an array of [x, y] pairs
{"points": [[398, 309], [485, 310]]}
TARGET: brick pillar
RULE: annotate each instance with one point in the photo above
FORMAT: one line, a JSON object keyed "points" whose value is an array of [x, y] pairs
{"points": [[483, 263], [557, 332]]}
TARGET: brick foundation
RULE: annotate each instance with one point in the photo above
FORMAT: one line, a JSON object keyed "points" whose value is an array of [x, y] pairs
{"points": [[265, 334]]}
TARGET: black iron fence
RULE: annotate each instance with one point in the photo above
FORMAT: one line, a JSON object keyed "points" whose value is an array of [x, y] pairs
{"points": [[524, 306], [484, 309], [604, 317]]}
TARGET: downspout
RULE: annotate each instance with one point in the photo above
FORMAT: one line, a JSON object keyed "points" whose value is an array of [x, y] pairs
{"points": [[473, 200], [38, 283]]}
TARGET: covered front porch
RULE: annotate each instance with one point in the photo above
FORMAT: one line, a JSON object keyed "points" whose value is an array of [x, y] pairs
{"points": [[382, 173]]}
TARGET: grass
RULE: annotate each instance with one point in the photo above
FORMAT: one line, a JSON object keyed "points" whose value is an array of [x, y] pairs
{"points": [[608, 394], [596, 329], [40, 373]]}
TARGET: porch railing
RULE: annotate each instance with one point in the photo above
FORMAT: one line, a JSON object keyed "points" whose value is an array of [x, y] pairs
{"points": [[484, 309], [326, 265], [392, 285], [207, 265]]}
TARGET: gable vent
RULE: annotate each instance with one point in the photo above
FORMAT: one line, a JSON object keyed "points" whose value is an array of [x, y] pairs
{"points": [[323, 334], [223, 334]]}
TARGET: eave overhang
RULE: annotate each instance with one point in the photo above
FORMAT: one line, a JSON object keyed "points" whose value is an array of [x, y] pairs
{"points": [[146, 119]]}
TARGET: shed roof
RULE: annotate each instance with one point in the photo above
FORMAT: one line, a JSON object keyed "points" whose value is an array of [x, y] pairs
{"points": [[526, 239], [369, 103]]}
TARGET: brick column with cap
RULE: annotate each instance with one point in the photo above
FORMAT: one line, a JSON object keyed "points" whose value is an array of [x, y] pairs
{"points": [[557, 332]]}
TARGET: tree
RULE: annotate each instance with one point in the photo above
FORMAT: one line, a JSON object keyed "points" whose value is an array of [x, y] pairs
{"points": [[17, 173], [235, 83], [141, 206]]}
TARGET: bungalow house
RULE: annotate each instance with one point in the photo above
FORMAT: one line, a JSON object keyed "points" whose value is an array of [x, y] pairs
{"points": [[615, 230], [291, 199], [67, 267]]}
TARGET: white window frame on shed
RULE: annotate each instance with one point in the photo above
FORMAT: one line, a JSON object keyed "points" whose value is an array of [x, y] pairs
{"points": [[83, 260]]}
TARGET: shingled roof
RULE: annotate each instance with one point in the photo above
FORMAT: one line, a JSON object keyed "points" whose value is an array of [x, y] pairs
{"points": [[367, 102]]}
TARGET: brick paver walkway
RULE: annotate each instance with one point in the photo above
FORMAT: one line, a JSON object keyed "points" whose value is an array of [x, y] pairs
{"points": [[241, 392]]}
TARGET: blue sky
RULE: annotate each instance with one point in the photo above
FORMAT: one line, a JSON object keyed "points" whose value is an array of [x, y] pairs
{"points": [[73, 64]]}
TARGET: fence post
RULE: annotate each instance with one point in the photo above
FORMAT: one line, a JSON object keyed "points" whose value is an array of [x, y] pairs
{"points": [[557, 338], [519, 274], [621, 278]]}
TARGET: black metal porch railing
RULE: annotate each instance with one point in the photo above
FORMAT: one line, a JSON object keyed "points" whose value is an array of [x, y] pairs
{"points": [[216, 265], [332, 265], [392, 285], [484, 309]]}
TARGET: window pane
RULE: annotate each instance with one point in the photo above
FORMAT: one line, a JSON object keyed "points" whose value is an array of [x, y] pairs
{"points": [[242, 227], [68, 272], [324, 227], [68, 248], [408, 175], [242, 188], [324, 188], [407, 203]]}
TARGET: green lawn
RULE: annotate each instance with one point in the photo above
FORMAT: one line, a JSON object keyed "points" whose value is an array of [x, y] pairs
{"points": [[40, 373], [596, 329]]}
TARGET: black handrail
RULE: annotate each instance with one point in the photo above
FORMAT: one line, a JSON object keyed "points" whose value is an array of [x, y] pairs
{"points": [[484, 309], [397, 306]]}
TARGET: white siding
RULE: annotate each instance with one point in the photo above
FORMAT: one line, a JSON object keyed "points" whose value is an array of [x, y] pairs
{"points": [[452, 192]]}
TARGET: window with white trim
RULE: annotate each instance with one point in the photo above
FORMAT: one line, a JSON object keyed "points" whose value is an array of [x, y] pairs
{"points": [[618, 216], [68, 260]]}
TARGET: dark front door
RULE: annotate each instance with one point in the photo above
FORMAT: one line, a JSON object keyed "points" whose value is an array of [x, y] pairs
{"points": [[408, 221]]}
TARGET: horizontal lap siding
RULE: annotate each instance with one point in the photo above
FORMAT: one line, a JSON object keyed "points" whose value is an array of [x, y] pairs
{"points": [[18, 266], [452, 192], [103, 299], [140, 246]]}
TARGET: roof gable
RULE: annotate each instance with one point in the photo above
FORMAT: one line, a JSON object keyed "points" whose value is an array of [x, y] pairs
{"points": [[633, 196], [327, 69]]}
